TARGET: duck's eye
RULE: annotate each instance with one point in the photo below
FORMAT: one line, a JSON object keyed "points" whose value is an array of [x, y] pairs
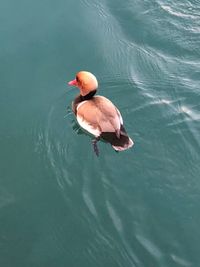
{"points": [[77, 79]]}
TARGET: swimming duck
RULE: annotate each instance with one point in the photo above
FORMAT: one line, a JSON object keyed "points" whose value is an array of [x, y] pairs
{"points": [[97, 114]]}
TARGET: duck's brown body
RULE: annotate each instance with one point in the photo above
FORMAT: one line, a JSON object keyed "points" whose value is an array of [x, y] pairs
{"points": [[99, 116]]}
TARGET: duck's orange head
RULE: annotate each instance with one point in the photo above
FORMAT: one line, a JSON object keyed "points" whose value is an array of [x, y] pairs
{"points": [[85, 81]]}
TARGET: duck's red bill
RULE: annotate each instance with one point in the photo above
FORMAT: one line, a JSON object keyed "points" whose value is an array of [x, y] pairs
{"points": [[73, 83]]}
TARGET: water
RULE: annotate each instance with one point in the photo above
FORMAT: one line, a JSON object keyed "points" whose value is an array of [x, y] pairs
{"points": [[60, 205]]}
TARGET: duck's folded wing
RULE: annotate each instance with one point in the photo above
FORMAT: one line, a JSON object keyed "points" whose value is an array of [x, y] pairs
{"points": [[96, 117]]}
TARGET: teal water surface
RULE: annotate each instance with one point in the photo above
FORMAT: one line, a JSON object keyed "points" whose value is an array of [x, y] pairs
{"points": [[62, 206]]}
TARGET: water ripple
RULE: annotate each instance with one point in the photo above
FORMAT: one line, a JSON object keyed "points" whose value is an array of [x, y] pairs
{"points": [[181, 261], [149, 246]]}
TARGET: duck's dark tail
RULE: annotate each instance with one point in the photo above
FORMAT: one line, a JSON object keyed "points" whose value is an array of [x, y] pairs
{"points": [[119, 140]]}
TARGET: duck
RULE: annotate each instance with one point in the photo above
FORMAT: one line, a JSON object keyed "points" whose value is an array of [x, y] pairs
{"points": [[97, 115]]}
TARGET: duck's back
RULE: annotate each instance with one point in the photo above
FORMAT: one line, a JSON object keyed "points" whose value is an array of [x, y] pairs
{"points": [[99, 113]]}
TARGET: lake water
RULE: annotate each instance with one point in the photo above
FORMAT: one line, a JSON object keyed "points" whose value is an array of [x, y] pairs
{"points": [[60, 205]]}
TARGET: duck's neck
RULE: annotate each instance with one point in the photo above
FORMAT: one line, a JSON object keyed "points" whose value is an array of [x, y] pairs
{"points": [[88, 96], [81, 98]]}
